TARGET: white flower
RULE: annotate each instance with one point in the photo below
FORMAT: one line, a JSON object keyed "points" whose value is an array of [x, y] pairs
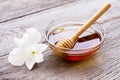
{"points": [[28, 50]]}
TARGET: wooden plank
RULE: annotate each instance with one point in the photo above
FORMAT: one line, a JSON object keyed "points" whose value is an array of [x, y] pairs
{"points": [[102, 66], [12, 9]]}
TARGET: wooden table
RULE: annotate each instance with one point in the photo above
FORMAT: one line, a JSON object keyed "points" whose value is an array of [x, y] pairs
{"points": [[18, 15]]}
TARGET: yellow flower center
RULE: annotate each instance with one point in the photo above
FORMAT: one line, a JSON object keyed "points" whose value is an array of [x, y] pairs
{"points": [[33, 52]]}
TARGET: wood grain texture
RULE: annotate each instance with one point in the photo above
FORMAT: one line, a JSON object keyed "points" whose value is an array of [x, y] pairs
{"points": [[105, 65], [12, 9]]}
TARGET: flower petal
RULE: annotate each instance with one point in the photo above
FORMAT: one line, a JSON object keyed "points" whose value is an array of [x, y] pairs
{"points": [[38, 49], [20, 43], [34, 34], [15, 57], [29, 63], [43, 47], [31, 36], [38, 58], [26, 39]]}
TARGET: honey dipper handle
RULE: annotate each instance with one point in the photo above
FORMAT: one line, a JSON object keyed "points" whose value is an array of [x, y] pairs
{"points": [[91, 21]]}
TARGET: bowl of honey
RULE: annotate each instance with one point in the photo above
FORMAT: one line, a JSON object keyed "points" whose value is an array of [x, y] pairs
{"points": [[87, 44]]}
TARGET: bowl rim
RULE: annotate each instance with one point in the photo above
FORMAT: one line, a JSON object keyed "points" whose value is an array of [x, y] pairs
{"points": [[67, 49]]}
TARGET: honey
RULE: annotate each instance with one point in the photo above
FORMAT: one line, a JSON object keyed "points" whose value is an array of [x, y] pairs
{"points": [[87, 41], [86, 45]]}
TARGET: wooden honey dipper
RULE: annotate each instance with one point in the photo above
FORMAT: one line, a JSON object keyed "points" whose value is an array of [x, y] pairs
{"points": [[69, 42]]}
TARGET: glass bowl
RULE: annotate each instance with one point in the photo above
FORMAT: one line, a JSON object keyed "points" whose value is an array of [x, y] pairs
{"points": [[87, 45]]}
